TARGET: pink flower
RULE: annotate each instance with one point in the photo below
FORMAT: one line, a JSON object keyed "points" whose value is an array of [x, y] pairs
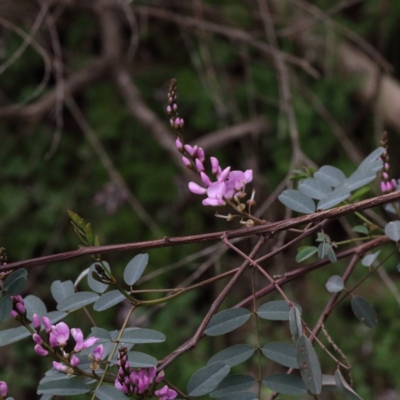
{"points": [[165, 393], [40, 350], [47, 324], [80, 344], [75, 361], [36, 322], [59, 334], [37, 339], [3, 389]]}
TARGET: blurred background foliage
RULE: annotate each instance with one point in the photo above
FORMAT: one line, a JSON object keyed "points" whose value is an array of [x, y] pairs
{"points": [[90, 141]]}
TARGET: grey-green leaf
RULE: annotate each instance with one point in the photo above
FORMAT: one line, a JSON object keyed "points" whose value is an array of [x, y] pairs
{"points": [[305, 252], [285, 384], [297, 201], [8, 336], [109, 393], [310, 369], [392, 230], [63, 387], [141, 335], [206, 379], [138, 359], [62, 290], [233, 355], [108, 300], [275, 310], [369, 259], [232, 384], [372, 156], [364, 311], [34, 305], [135, 268], [330, 253], [330, 175], [333, 198], [227, 321], [100, 333], [239, 396], [360, 178], [77, 300], [314, 188], [295, 325], [17, 285], [335, 284], [95, 285], [282, 353], [345, 388], [13, 277], [6, 305]]}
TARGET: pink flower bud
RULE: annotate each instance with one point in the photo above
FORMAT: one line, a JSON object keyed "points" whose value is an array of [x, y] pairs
{"points": [[37, 339], [40, 350], [165, 393], [394, 184], [175, 107], [186, 162], [169, 110], [3, 389], [385, 175], [201, 155], [160, 376], [21, 308], [60, 367], [214, 165], [47, 324], [36, 322], [178, 144], [14, 314], [199, 165], [196, 189], [383, 187], [75, 361], [98, 352], [206, 180]]}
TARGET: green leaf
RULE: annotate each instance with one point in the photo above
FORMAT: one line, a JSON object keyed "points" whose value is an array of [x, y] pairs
{"points": [[206, 379], [135, 268], [331, 254], [141, 335], [77, 300], [6, 305], [315, 188], [109, 393], [275, 310], [297, 201], [233, 355], [335, 284], [282, 353], [295, 325], [63, 387], [95, 285], [364, 311], [100, 333], [34, 305], [369, 259], [310, 369], [305, 252], [232, 384], [333, 198], [62, 290], [239, 396], [108, 300], [330, 175], [227, 321], [361, 229], [360, 178], [345, 388], [285, 384], [326, 250], [392, 230]]}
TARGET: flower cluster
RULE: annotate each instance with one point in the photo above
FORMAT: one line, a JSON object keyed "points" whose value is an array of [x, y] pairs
{"points": [[387, 184], [130, 381], [225, 184], [58, 336], [3, 390]]}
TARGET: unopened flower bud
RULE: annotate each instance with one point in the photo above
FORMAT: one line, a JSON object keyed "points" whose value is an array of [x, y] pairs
{"points": [[3, 389], [75, 361], [40, 350], [36, 322], [21, 308], [37, 339], [169, 110], [47, 324]]}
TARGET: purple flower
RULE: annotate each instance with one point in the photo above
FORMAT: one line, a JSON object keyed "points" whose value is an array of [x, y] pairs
{"points": [[121, 386], [3, 389], [40, 350], [165, 393], [37, 339], [59, 334]]}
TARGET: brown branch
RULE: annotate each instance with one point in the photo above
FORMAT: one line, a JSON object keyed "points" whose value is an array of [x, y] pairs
{"points": [[268, 229]]}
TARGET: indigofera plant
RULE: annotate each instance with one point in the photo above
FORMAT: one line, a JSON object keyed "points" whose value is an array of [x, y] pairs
{"points": [[102, 364]]}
